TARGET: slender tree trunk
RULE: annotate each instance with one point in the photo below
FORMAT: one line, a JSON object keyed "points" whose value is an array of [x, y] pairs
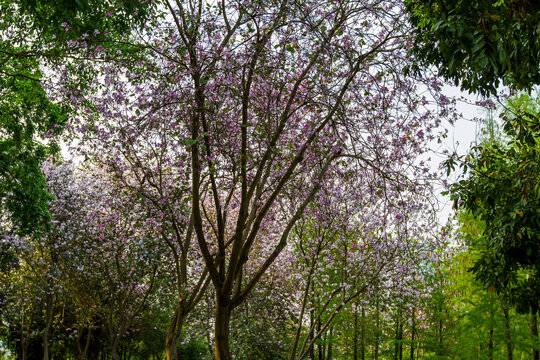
{"points": [[440, 333], [48, 325], [377, 324], [363, 335], [222, 322], [534, 333], [508, 333], [25, 339], [173, 334], [400, 353], [355, 336], [311, 349], [413, 333], [398, 349], [490, 341], [329, 357], [320, 349]]}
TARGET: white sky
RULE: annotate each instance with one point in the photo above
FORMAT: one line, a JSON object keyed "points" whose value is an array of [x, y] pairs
{"points": [[460, 138]]}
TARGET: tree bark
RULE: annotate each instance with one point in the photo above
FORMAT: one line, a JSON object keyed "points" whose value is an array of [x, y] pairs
{"points": [[221, 331], [173, 334], [377, 324], [320, 348], [83, 350], [413, 333], [398, 350], [24, 346], [508, 334], [114, 349], [330, 340], [534, 333], [311, 348], [363, 335], [48, 324], [490, 340], [355, 333]]}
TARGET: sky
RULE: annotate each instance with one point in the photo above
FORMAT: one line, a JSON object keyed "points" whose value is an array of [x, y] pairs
{"points": [[461, 136]]}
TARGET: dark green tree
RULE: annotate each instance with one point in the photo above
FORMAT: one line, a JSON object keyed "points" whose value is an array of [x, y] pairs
{"points": [[36, 35], [478, 43], [502, 189], [25, 114]]}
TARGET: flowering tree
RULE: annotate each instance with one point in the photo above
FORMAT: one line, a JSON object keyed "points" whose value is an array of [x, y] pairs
{"points": [[99, 260], [350, 246], [140, 152], [248, 109]]}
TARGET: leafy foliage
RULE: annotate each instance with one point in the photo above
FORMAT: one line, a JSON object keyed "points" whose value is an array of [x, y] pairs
{"points": [[478, 43], [503, 191], [32, 33], [25, 114]]}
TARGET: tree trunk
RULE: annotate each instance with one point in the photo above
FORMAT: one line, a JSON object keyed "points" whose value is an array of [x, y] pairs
{"points": [[24, 346], [490, 341], [355, 334], [413, 333], [534, 333], [46, 348], [320, 348], [377, 324], [398, 350], [221, 331], [311, 349], [440, 346], [83, 350], [48, 325], [114, 349], [508, 334], [173, 334], [363, 335], [400, 353], [330, 340]]}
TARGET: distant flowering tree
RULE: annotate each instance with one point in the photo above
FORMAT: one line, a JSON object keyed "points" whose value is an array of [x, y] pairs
{"points": [[245, 111], [346, 250], [99, 259]]}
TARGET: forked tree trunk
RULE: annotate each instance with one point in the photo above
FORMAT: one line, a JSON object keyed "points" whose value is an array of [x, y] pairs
{"points": [[173, 334], [83, 350]]}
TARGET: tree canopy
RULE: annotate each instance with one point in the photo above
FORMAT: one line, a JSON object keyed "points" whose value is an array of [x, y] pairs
{"points": [[503, 190], [477, 44]]}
